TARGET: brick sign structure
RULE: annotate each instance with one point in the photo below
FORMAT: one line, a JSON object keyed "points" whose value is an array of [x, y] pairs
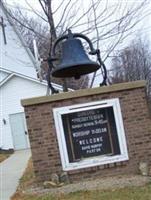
{"points": [[90, 133]]}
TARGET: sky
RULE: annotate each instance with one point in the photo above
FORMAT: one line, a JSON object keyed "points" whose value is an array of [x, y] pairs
{"points": [[28, 5], [143, 28]]}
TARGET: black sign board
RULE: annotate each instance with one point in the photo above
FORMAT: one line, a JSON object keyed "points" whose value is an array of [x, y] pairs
{"points": [[90, 133]]}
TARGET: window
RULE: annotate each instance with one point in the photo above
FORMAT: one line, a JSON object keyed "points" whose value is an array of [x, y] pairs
{"points": [[90, 134]]}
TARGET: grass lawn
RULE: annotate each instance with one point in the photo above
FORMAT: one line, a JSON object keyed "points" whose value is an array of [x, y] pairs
{"points": [[131, 193], [4, 156], [134, 193]]}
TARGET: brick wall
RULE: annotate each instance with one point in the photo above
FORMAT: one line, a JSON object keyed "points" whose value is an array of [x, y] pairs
{"points": [[43, 139]]}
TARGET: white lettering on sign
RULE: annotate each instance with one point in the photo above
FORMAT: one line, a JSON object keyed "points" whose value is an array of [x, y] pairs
{"points": [[90, 141], [77, 126], [81, 133], [87, 118], [93, 150], [86, 147], [99, 130], [88, 124], [86, 113], [96, 145]]}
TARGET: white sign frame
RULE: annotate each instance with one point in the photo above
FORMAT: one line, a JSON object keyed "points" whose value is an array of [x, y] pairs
{"points": [[91, 161]]}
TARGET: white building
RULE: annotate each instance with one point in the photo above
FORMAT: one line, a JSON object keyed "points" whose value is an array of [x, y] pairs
{"points": [[18, 80]]}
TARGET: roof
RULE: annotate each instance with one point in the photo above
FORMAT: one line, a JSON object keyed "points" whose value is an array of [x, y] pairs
{"points": [[23, 70], [11, 74]]}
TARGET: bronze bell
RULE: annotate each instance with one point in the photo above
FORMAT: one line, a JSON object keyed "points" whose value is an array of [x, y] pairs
{"points": [[74, 61]]}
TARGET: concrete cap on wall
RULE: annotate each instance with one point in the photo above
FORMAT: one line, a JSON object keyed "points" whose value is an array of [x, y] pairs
{"points": [[83, 92]]}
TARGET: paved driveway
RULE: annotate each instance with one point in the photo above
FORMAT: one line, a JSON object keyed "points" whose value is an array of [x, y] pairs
{"points": [[11, 170]]}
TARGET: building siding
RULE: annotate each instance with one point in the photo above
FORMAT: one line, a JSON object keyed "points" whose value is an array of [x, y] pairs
{"points": [[11, 93], [14, 56]]}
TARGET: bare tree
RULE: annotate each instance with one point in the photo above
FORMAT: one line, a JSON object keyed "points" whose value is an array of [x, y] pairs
{"points": [[99, 19], [40, 33], [133, 63]]}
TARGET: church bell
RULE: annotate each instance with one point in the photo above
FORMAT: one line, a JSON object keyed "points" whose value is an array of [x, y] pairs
{"points": [[74, 61]]}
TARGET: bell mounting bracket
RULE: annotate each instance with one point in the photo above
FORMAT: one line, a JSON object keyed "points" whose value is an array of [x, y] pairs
{"points": [[93, 51]]}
